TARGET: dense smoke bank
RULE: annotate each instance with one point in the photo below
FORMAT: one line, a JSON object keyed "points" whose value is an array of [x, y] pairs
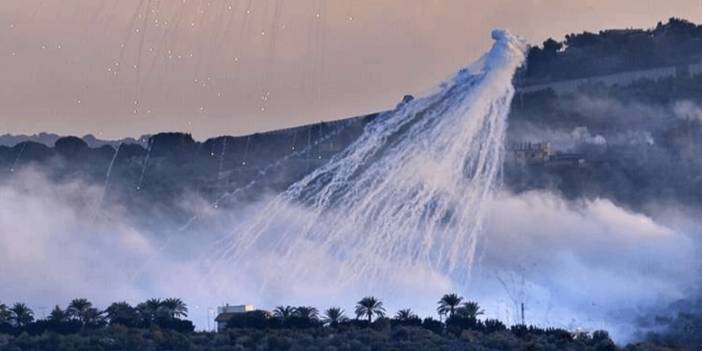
{"points": [[574, 264]]}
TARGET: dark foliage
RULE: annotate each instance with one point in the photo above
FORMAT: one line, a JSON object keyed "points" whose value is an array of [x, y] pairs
{"points": [[631, 174], [610, 51], [154, 325]]}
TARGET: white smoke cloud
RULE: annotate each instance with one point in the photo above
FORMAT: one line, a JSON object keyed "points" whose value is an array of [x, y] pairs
{"points": [[688, 110], [590, 264], [582, 135], [58, 243]]}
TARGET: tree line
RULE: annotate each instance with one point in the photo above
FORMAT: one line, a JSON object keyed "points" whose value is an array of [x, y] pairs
{"points": [[677, 42], [456, 315], [82, 314], [161, 324]]}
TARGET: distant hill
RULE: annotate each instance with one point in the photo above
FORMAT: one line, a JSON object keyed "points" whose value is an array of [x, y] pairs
{"points": [[150, 177], [675, 43], [49, 139], [636, 141]]}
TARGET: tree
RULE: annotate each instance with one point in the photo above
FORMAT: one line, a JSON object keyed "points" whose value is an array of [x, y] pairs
{"points": [[405, 315], [122, 313], [283, 313], [369, 306], [249, 320], [493, 325], [304, 317], [93, 317], [5, 314], [58, 315], [80, 309], [470, 310], [174, 308], [21, 314], [448, 304], [306, 312], [551, 47], [148, 310], [433, 325], [333, 316]]}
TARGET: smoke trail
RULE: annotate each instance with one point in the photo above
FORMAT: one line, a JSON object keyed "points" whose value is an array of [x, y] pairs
{"points": [[109, 173], [19, 156], [146, 164], [222, 156], [409, 193]]}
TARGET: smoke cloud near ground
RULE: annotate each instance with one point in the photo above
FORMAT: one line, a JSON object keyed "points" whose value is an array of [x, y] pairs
{"points": [[588, 264], [57, 242], [596, 120]]}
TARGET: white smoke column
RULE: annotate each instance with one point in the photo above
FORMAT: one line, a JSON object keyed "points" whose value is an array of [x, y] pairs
{"points": [[408, 195]]}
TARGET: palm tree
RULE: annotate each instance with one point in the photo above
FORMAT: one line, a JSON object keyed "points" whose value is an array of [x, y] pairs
{"points": [[333, 316], [470, 310], [149, 310], [369, 306], [58, 315], [307, 313], [283, 312], [405, 315], [78, 309], [5, 314], [93, 317], [122, 313], [21, 314], [448, 304], [174, 308]]}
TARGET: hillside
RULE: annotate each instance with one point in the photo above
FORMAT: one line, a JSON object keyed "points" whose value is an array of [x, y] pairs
{"points": [[634, 142]]}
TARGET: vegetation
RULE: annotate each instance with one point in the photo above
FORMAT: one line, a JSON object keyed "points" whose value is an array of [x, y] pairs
{"points": [[623, 169], [370, 307], [448, 304], [591, 54], [160, 325]]}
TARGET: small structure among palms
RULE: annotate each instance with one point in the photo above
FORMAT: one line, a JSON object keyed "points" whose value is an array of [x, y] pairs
{"points": [[448, 304], [369, 307], [227, 312]]}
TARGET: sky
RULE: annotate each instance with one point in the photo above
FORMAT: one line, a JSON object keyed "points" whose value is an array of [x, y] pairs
{"points": [[120, 68]]}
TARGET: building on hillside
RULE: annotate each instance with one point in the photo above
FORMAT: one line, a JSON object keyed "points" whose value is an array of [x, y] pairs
{"points": [[524, 153], [226, 312]]}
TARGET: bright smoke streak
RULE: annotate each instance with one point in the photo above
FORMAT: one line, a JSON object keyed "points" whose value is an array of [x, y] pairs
{"points": [[410, 193]]}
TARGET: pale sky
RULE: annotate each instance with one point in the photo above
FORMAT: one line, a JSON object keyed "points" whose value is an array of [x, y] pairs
{"points": [[119, 68]]}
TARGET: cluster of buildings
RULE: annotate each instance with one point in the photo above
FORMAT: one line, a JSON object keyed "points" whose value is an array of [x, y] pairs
{"points": [[527, 153]]}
